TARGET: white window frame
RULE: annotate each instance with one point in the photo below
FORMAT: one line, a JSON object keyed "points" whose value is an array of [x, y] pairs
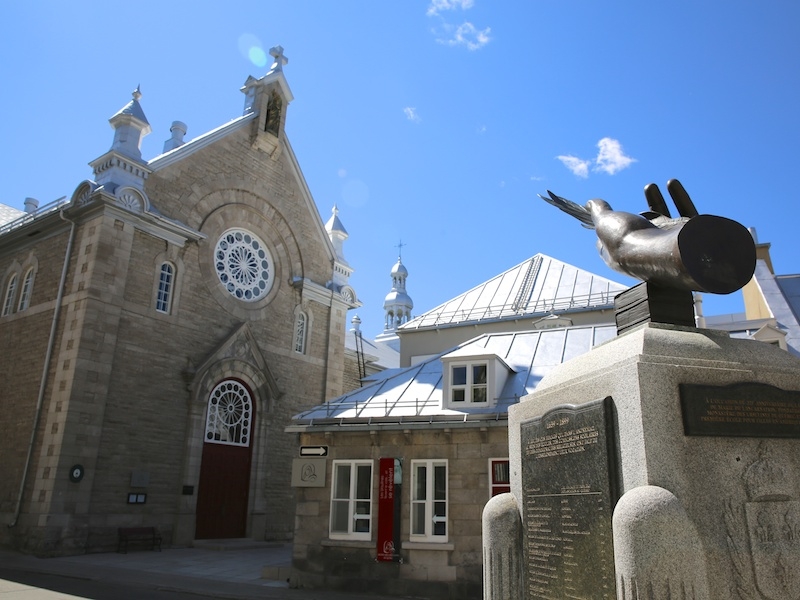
{"points": [[354, 500], [11, 291], [300, 332], [431, 502], [165, 288], [25, 292], [229, 414], [498, 487], [469, 387]]}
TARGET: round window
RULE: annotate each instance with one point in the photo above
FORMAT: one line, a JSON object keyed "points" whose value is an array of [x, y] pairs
{"points": [[243, 265]]}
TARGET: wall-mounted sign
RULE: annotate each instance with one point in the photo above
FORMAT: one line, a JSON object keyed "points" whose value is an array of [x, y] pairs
{"points": [[389, 490], [308, 472], [313, 451]]}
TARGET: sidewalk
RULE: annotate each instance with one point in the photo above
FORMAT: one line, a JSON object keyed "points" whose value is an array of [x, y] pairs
{"points": [[230, 569]]}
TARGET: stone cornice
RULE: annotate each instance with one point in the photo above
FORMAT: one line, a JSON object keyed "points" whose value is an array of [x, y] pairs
{"points": [[156, 225]]}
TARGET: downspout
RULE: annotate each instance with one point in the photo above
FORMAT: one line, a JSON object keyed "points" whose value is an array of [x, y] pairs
{"points": [[45, 368]]}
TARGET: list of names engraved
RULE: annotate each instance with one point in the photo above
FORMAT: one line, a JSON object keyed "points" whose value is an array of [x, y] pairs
{"points": [[567, 504]]}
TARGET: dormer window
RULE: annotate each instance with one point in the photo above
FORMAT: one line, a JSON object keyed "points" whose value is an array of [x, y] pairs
{"points": [[468, 383], [472, 381]]}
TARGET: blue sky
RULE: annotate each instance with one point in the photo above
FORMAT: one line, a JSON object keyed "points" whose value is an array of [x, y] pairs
{"points": [[436, 122]]}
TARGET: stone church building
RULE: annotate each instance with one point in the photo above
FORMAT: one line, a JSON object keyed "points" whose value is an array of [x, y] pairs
{"points": [[159, 329]]}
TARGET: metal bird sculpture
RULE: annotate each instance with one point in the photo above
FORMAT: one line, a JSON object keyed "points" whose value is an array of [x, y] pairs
{"points": [[704, 253]]}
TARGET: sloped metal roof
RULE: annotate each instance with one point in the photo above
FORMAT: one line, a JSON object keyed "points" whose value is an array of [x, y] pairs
{"points": [[9, 213], [539, 285], [377, 353], [414, 394]]}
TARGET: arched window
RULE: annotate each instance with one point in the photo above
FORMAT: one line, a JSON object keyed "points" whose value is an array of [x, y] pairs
{"points": [[166, 282], [27, 288], [300, 332], [8, 300], [230, 414]]}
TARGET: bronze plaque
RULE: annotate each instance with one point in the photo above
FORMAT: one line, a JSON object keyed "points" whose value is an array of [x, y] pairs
{"points": [[568, 498], [741, 409]]}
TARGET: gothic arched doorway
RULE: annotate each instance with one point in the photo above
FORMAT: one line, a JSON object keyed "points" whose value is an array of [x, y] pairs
{"points": [[224, 485]]}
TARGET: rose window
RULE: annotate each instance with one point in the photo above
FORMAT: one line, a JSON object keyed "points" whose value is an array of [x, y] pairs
{"points": [[230, 414], [243, 265]]}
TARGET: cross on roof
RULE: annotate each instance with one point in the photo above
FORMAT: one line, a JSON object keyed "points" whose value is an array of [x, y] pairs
{"points": [[399, 247], [280, 59]]}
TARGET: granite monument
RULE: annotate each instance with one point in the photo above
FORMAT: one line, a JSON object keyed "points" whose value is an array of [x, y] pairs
{"points": [[664, 463]]}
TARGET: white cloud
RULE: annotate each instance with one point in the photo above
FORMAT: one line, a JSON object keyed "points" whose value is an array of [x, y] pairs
{"points": [[467, 35], [440, 5], [578, 166], [610, 157], [411, 114]]}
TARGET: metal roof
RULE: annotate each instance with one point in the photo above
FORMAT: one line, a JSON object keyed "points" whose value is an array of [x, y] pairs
{"points": [[380, 354], [9, 213], [539, 285], [19, 218], [414, 394]]}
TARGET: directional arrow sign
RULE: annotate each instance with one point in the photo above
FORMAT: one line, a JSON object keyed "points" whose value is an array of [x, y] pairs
{"points": [[313, 451]]}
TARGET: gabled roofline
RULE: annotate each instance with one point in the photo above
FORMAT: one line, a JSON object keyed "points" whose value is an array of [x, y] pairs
{"points": [[528, 276], [177, 154]]}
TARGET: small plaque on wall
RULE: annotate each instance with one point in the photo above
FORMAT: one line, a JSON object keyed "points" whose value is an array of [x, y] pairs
{"points": [[740, 410], [308, 472]]}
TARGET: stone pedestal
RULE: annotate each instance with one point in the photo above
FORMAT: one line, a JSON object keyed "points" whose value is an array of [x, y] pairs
{"points": [[705, 498]]}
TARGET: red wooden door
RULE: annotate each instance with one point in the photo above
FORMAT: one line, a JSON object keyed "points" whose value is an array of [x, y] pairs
{"points": [[223, 489]]}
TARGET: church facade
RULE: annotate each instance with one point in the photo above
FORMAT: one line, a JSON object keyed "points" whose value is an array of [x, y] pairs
{"points": [[160, 328]]}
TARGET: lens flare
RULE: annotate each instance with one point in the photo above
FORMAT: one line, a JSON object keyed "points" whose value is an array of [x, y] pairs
{"points": [[251, 48], [257, 56]]}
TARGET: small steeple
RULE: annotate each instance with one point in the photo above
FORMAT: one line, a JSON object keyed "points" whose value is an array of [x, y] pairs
{"points": [[130, 126], [338, 234], [270, 93], [122, 165], [398, 303]]}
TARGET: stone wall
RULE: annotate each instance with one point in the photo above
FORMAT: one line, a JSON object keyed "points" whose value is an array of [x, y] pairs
{"points": [[447, 570], [125, 397], [24, 338]]}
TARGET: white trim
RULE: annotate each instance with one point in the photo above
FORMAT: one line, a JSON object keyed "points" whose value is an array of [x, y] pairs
{"points": [[300, 336], [165, 294], [430, 504], [352, 501], [10, 294], [497, 372], [26, 290]]}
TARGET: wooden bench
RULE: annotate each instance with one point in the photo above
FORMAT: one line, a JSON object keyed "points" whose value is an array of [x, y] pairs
{"points": [[147, 535]]}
